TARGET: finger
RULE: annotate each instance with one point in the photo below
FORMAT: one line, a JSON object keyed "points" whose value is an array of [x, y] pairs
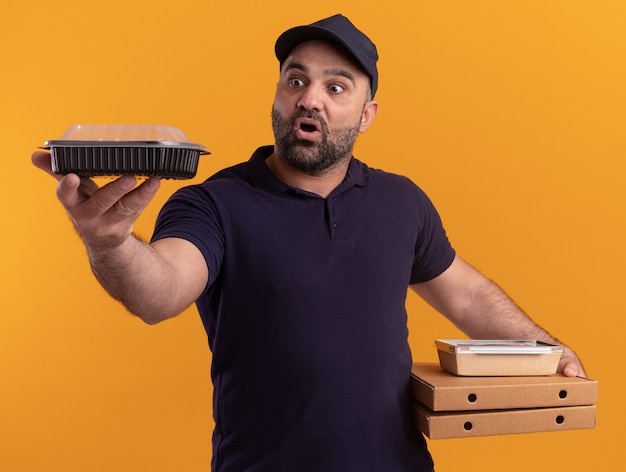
{"points": [[106, 197], [87, 186], [42, 160], [570, 365], [68, 191], [134, 202], [74, 190], [572, 369]]}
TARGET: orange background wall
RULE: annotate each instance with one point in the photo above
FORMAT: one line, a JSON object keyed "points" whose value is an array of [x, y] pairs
{"points": [[511, 115]]}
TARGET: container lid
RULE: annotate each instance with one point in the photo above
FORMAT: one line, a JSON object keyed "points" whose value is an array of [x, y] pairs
{"points": [[117, 135], [497, 346]]}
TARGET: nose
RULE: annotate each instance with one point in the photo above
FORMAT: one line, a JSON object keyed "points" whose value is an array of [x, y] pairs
{"points": [[311, 99]]}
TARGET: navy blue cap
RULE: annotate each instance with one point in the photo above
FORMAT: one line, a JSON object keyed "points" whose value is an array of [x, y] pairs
{"points": [[337, 29]]}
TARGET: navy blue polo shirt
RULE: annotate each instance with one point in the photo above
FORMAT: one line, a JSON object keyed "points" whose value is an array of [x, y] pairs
{"points": [[305, 315]]}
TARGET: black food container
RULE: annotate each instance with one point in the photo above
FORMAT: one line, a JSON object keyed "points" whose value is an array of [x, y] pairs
{"points": [[112, 150]]}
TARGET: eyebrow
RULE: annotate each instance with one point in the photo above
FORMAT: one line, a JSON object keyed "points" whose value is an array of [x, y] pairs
{"points": [[328, 72]]}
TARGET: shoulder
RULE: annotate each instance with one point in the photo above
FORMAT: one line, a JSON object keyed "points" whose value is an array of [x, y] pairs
{"points": [[387, 183], [228, 181], [221, 183]]}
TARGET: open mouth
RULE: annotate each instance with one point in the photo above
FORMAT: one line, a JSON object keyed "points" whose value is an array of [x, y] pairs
{"points": [[307, 127]]}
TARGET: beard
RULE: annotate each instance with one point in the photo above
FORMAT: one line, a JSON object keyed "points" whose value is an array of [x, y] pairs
{"points": [[312, 157]]}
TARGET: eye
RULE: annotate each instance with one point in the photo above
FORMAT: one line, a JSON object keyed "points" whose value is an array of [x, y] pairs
{"points": [[336, 88], [296, 82]]}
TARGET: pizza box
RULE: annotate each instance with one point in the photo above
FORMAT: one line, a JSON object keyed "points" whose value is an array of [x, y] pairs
{"points": [[440, 390], [462, 424]]}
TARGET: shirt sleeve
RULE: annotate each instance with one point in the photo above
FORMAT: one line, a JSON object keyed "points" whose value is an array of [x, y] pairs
{"points": [[433, 251], [192, 214]]}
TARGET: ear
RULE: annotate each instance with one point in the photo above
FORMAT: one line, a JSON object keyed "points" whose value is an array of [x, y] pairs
{"points": [[369, 112]]}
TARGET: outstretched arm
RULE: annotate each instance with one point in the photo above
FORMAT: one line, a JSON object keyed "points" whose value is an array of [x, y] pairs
{"points": [[482, 310], [156, 281]]}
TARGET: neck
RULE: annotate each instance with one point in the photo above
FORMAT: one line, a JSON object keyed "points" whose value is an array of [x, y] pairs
{"points": [[322, 184]]}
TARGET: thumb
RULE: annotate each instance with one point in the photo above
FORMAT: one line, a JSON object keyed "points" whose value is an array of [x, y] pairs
{"points": [[573, 370]]}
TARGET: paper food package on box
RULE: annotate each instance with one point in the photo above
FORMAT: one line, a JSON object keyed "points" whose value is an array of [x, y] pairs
{"points": [[478, 357]]}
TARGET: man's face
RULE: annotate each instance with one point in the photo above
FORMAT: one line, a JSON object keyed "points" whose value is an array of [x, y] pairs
{"points": [[321, 105]]}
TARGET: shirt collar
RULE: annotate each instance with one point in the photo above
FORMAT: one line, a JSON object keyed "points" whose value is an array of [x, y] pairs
{"points": [[262, 176]]}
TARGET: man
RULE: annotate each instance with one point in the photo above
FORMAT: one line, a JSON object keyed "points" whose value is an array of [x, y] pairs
{"points": [[299, 261]]}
